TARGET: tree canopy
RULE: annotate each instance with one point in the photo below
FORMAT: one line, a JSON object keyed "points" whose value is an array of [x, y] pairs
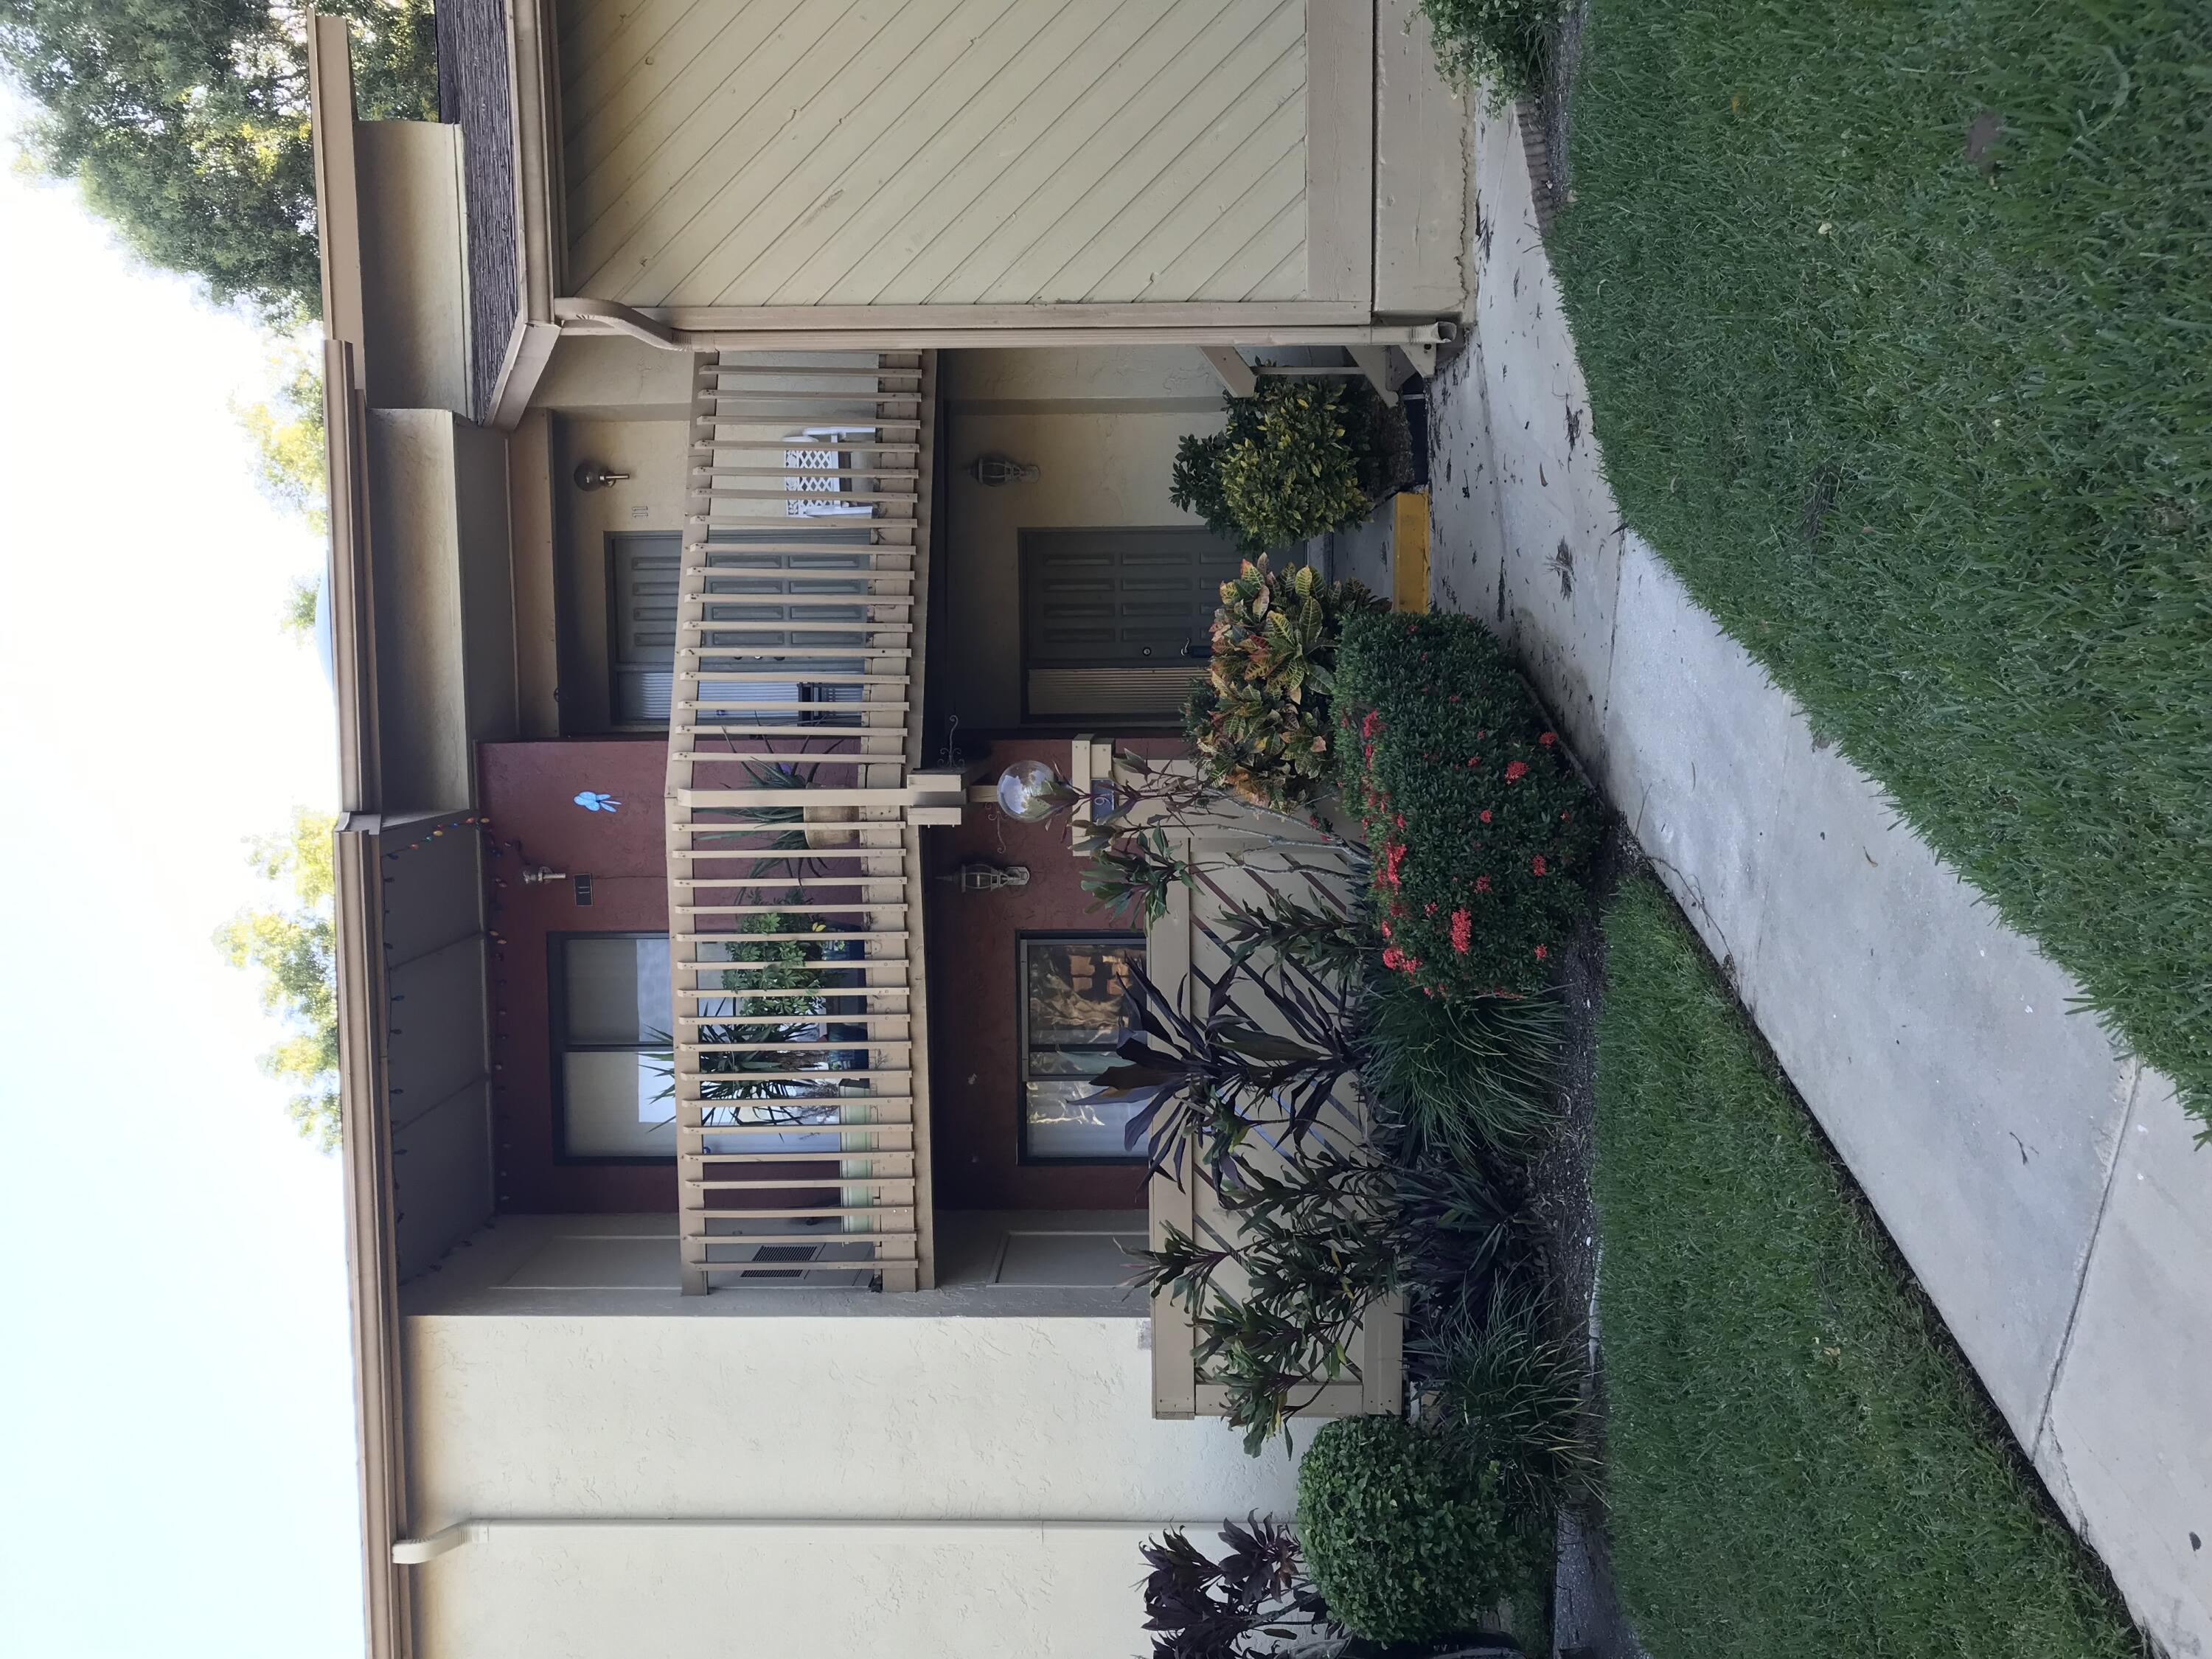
{"points": [[286, 433], [185, 124], [293, 948]]}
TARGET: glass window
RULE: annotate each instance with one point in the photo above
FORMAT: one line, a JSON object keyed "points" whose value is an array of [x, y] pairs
{"points": [[612, 1041], [1072, 1006]]}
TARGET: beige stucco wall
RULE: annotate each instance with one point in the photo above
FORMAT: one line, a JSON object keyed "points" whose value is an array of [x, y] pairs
{"points": [[445, 642], [614, 377], [896, 1592], [414, 269], [897, 1422], [654, 452], [1102, 424]]}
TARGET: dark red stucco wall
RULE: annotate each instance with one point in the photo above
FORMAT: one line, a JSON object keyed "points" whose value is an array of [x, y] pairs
{"points": [[528, 790], [973, 997]]}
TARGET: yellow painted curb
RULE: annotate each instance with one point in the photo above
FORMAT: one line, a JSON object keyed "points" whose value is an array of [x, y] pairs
{"points": [[1409, 551]]}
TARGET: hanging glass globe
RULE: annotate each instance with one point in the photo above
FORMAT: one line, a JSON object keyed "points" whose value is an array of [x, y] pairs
{"points": [[1028, 790]]}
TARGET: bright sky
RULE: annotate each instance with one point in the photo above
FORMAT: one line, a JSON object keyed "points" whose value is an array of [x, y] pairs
{"points": [[176, 1416]]}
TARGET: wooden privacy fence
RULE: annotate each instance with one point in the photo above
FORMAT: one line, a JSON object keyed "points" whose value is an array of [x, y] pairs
{"points": [[1238, 856], [799, 1047]]}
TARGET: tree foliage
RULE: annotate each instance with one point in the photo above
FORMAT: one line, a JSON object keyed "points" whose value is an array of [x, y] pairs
{"points": [[286, 429], [185, 122], [292, 949]]}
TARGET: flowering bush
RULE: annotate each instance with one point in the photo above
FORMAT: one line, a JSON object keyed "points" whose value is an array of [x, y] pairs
{"points": [[1259, 718], [1481, 829]]}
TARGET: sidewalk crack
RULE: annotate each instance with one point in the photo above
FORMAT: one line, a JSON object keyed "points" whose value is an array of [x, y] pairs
{"points": [[2088, 1255]]}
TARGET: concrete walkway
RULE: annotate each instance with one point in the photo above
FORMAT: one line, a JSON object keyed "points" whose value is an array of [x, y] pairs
{"points": [[2043, 1186]]}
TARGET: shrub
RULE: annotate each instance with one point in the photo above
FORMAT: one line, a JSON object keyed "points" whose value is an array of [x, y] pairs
{"points": [[1510, 1395], [1298, 457], [1404, 1538], [1481, 831], [1315, 1246], [1259, 718], [1465, 1075], [1242, 1604], [1499, 42]]}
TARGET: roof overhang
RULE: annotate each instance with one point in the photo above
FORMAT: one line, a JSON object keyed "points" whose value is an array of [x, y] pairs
{"points": [[371, 1256]]}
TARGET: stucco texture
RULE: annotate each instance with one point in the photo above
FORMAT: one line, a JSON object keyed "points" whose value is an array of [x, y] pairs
{"points": [[974, 1083], [528, 791], [897, 1423]]}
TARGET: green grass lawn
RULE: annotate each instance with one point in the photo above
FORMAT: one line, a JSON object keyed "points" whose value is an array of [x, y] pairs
{"points": [[1898, 324], [1799, 1466]]}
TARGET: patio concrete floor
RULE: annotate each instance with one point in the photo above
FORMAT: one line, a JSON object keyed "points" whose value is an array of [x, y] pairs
{"points": [[2041, 1182]]}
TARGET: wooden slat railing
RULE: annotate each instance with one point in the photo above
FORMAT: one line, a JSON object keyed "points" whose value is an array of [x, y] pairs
{"points": [[794, 899]]}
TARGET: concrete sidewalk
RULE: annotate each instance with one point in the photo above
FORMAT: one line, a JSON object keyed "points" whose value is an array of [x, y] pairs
{"points": [[2043, 1186]]}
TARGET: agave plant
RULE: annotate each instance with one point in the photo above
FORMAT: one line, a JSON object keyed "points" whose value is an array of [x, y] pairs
{"points": [[755, 824]]}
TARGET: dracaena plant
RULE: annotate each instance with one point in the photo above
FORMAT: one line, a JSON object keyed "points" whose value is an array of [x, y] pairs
{"points": [[1322, 937], [1130, 873], [1255, 1597], [1315, 1239], [1216, 1077]]}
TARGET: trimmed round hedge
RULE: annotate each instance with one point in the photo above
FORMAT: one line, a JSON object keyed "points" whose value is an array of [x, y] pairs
{"points": [[1404, 1539]]}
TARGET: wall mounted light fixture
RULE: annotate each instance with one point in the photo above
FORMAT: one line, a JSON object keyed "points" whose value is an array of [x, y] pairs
{"points": [[590, 474]]}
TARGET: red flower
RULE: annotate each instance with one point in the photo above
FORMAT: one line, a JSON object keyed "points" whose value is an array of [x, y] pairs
{"points": [[1394, 859], [1564, 817], [1548, 738], [1539, 953], [1393, 957], [1462, 932], [1486, 815], [1400, 820], [1386, 930], [1482, 883], [1515, 770], [1430, 908], [1537, 864], [1372, 723]]}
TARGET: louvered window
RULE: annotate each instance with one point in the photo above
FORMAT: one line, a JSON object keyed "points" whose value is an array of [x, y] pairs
{"points": [[753, 592]]}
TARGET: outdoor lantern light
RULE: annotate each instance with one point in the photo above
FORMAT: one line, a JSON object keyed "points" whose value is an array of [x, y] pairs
{"points": [[590, 474], [1028, 790]]}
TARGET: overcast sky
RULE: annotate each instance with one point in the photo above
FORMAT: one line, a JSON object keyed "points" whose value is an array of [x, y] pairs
{"points": [[176, 1429]]}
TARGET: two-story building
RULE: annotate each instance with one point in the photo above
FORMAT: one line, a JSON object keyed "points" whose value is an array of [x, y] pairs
{"points": [[750, 430]]}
